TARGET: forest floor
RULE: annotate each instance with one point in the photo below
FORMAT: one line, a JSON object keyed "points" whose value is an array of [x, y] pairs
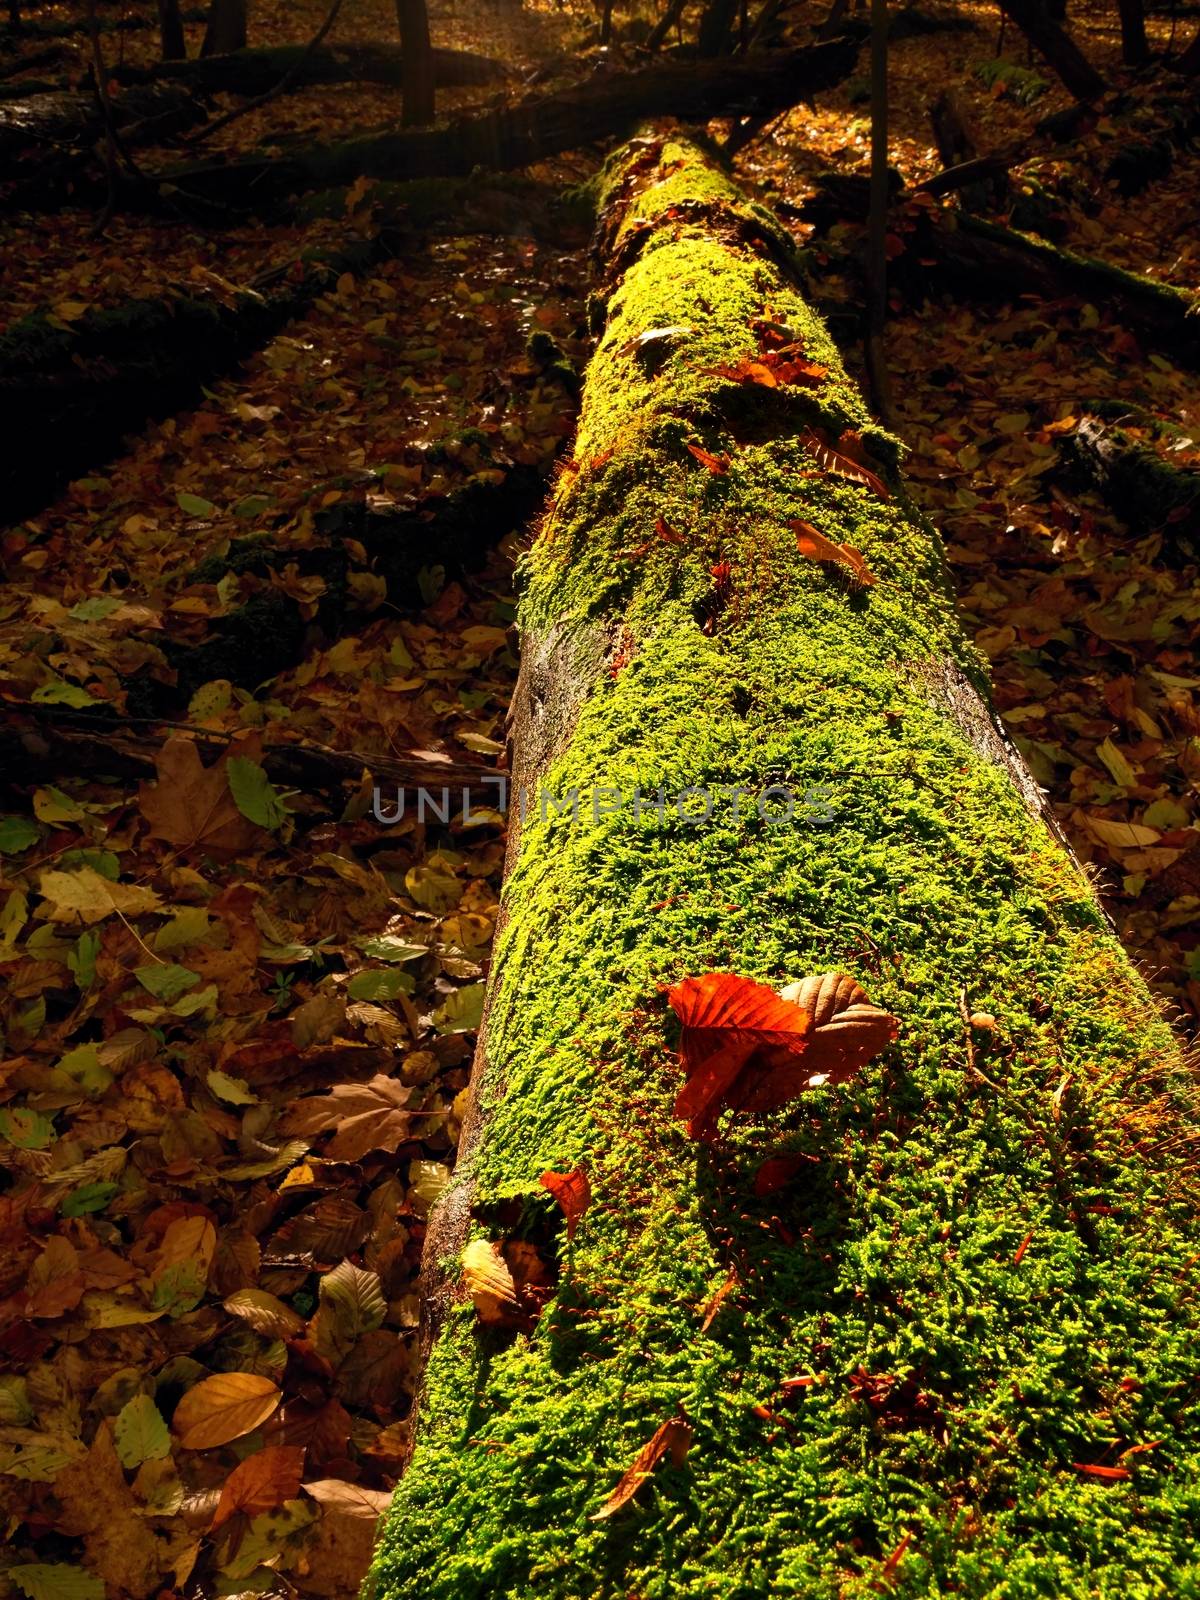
{"points": [[212, 1172]]}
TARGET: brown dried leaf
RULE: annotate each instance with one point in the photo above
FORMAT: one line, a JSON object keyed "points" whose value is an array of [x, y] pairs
{"points": [[261, 1482], [191, 805], [489, 1282], [811, 542], [222, 1408], [265, 1313], [673, 1438]]}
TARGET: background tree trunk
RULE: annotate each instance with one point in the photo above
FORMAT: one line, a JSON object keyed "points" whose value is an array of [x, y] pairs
{"points": [[1056, 46], [170, 23], [226, 30], [1135, 49], [788, 1292], [716, 28], [417, 55]]}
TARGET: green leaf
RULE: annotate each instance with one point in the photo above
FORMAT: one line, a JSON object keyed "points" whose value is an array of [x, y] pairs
{"points": [[17, 834], [101, 861], [389, 948], [28, 1130], [379, 984], [58, 692], [252, 505], [195, 505], [89, 1198], [82, 960], [52, 805], [167, 981], [95, 608], [56, 1580], [140, 1432], [255, 796], [463, 1010], [84, 1067], [234, 1091]]}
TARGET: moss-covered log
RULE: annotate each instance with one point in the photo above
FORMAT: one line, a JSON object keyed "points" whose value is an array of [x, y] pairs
{"points": [[257, 70], [955, 1354], [1143, 488], [45, 134], [536, 127], [970, 256], [70, 390]]}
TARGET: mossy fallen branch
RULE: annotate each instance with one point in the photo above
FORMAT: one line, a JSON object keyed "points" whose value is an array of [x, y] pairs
{"points": [[256, 70], [957, 1353]]}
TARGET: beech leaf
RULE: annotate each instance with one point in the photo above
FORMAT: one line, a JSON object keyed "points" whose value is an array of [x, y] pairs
{"points": [[572, 1194], [674, 1438], [222, 1408]]}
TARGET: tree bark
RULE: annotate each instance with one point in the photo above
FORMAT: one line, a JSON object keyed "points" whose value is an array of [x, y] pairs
{"points": [[535, 128], [226, 30], [257, 70], [1135, 50], [173, 44], [716, 28], [1057, 48], [802, 1320], [417, 79], [49, 135]]}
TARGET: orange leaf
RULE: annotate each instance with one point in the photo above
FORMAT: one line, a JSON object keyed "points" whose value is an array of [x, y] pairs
{"points": [[727, 1021], [718, 1299], [1021, 1249], [222, 1408], [572, 1194], [673, 1438], [1109, 1474], [746, 1048], [748, 371], [261, 1482], [812, 543], [715, 464], [833, 461]]}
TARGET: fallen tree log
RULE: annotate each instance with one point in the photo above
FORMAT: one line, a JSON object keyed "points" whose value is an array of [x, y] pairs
{"points": [[256, 71], [69, 391], [968, 255], [45, 135], [535, 128], [1144, 490], [886, 1316]]}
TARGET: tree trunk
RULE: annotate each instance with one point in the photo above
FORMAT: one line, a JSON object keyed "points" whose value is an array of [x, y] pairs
{"points": [[1135, 50], [716, 28], [173, 43], [226, 30], [671, 15], [417, 86], [1189, 61], [958, 146], [257, 71], [814, 1294], [1056, 46]]}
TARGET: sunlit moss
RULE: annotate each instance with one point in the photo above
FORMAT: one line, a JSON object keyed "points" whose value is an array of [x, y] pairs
{"points": [[915, 866]]}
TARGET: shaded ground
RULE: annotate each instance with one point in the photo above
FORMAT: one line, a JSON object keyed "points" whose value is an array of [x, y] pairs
{"points": [[189, 978]]}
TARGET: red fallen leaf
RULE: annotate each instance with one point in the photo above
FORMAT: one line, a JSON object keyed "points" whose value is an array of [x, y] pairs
{"points": [[718, 1299], [1021, 1249], [746, 1048], [798, 369], [748, 371], [715, 464], [664, 531], [776, 1172], [1109, 1474], [260, 1483], [572, 1194], [841, 465], [812, 543], [673, 1438]]}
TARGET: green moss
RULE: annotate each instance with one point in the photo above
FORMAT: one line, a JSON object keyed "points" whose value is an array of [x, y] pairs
{"points": [[897, 1253]]}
